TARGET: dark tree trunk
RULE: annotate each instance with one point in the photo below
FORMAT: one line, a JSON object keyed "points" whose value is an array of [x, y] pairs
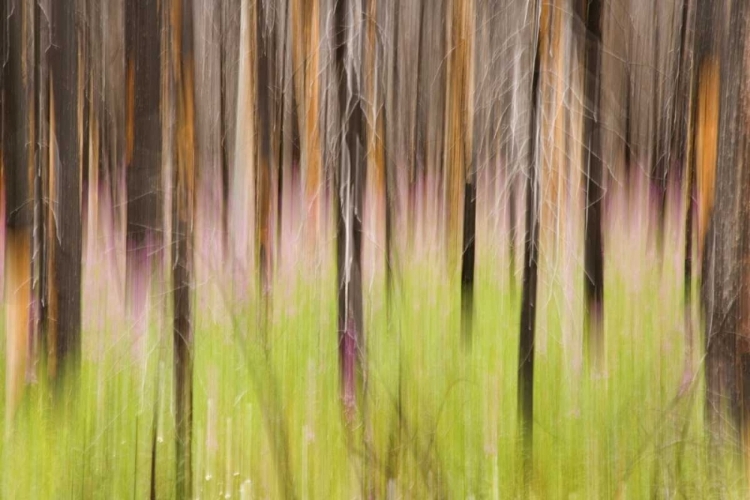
{"points": [[144, 233], [40, 297], [18, 164], [66, 263], [593, 252], [684, 148], [527, 328], [224, 33], [350, 181], [467, 260], [265, 81], [183, 210]]}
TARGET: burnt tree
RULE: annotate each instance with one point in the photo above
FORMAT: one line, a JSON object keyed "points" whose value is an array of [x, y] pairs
{"points": [[527, 327], [183, 216], [65, 262], [18, 171], [722, 131], [143, 144], [349, 186], [591, 13]]}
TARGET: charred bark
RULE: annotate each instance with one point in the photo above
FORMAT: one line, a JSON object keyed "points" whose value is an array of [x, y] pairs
{"points": [[684, 148], [66, 262], [183, 216], [265, 45], [223, 13], [144, 233], [593, 252], [18, 171], [467, 261], [40, 277], [350, 181], [527, 329]]}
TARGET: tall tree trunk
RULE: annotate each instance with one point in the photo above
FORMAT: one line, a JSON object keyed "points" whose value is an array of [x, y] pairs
{"points": [[722, 137], [224, 33], [183, 217], [457, 124], [66, 187], [143, 154], [305, 28], [684, 147], [592, 140], [527, 328], [742, 368], [350, 181], [18, 169], [458, 151], [266, 80], [40, 278]]}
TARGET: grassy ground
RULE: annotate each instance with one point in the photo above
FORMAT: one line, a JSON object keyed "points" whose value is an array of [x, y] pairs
{"points": [[619, 435], [267, 407]]}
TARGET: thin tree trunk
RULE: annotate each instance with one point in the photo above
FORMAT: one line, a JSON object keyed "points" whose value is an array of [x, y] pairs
{"points": [[458, 125], [223, 13], [527, 328], [459, 148], [684, 146], [266, 79], [183, 216], [40, 276], [66, 178], [18, 165], [593, 253], [143, 154], [350, 182], [467, 260]]}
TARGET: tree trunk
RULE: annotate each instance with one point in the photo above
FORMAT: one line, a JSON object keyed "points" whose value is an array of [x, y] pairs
{"points": [[467, 260], [18, 170], [527, 328], [350, 181], [721, 137], [183, 217], [592, 140], [458, 153], [266, 48], [683, 146], [143, 154], [40, 276], [66, 179]]}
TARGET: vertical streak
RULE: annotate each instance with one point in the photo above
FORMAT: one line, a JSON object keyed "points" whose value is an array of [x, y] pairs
{"points": [[527, 328], [183, 203], [593, 254], [67, 266]]}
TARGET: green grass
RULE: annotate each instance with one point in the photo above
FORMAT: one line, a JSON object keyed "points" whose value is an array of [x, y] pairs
{"points": [[619, 435]]}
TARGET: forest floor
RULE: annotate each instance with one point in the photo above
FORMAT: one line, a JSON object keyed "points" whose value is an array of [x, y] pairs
{"points": [[436, 420]]}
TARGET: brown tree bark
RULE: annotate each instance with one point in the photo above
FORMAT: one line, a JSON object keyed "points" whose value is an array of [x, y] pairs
{"points": [[144, 234], [350, 181], [527, 329], [591, 15], [66, 185], [183, 217], [721, 143], [18, 171]]}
